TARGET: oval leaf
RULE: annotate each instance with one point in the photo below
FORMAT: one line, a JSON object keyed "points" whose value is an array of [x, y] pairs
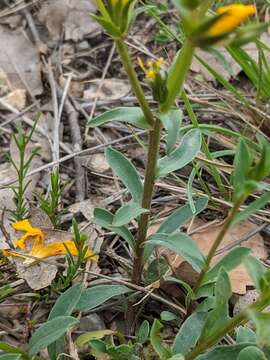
{"points": [[155, 339], [93, 335], [189, 333], [229, 352], [251, 353], [131, 115], [182, 245], [105, 219], [98, 295], [184, 154], [64, 306], [67, 302], [127, 213], [49, 333], [127, 173]]}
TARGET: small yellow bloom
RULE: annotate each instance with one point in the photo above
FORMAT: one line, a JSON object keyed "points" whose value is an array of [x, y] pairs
{"points": [[39, 249], [232, 16], [152, 69]]}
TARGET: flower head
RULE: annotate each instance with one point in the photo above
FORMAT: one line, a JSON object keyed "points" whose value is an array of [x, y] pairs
{"points": [[39, 249], [152, 69], [231, 16]]}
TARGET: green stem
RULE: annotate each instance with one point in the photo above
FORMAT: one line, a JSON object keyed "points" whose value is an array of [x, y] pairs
{"points": [[136, 87], [237, 320], [153, 151], [217, 242], [177, 74]]}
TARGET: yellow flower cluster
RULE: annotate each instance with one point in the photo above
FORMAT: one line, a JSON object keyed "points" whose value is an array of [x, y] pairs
{"points": [[231, 17], [39, 249], [152, 68]]}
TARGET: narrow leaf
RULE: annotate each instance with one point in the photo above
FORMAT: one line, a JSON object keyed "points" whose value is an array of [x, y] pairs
{"points": [[50, 332], [127, 173], [252, 208], [10, 357], [182, 245], [181, 216], [172, 121], [99, 294], [127, 213], [229, 262], [183, 155], [131, 115], [156, 339]]}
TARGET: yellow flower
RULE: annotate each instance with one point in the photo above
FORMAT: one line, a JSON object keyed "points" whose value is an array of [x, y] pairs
{"points": [[232, 16], [152, 69], [39, 249]]}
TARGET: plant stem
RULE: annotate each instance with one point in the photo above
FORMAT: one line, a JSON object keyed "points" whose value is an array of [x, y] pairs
{"points": [[153, 152], [217, 242], [136, 87], [237, 320]]}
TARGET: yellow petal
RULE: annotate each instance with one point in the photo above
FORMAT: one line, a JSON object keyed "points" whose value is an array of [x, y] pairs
{"points": [[9, 253], [233, 16], [58, 248], [31, 231]]}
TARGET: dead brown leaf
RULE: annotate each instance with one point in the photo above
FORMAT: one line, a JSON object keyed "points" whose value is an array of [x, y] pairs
{"points": [[240, 280], [70, 17], [111, 89]]}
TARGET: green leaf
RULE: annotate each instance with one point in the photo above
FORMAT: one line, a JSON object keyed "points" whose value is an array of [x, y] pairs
{"points": [[245, 334], [105, 219], [156, 342], [177, 357], [189, 333], [156, 269], [49, 333], [131, 115], [143, 332], [229, 262], [10, 357], [97, 295], [168, 316], [183, 155], [251, 353], [181, 216], [187, 287], [12, 350], [182, 245], [262, 323], [127, 213], [64, 306], [92, 335], [252, 208], [172, 121], [127, 173], [67, 302], [242, 163], [219, 316], [229, 352], [256, 271]]}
